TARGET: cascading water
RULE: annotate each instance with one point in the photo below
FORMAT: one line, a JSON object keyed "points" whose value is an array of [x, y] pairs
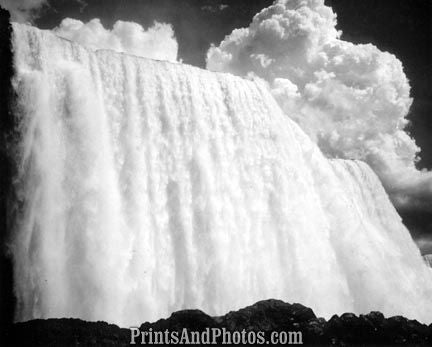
{"points": [[428, 259], [146, 187]]}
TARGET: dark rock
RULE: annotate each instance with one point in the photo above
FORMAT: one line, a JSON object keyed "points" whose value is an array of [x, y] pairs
{"points": [[375, 317], [194, 320], [7, 126], [266, 316], [65, 332], [352, 329], [269, 315]]}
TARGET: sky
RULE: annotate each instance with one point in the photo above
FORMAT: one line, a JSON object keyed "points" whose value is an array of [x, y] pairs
{"points": [[186, 30]]}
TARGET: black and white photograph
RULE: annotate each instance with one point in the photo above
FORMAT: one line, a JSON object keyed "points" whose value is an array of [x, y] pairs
{"points": [[216, 172]]}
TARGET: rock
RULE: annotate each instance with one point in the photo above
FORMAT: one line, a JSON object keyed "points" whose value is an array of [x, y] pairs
{"points": [[194, 320], [7, 167], [375, 317], [65, 332], [267, 316]]}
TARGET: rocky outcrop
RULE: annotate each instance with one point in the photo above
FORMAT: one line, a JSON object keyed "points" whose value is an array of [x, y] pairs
{"points": [[267, 316], [7, 128]]}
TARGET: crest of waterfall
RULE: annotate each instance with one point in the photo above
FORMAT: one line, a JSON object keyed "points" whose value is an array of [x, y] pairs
{"points": [[146, 187]]}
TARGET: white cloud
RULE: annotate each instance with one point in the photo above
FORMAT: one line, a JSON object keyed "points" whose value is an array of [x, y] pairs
{"points": [[351, 99], [157, 42], [23, 10]]}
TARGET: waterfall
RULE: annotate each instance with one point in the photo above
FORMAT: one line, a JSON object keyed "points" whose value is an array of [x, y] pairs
{"points": [[146, 187], [428, 259]]}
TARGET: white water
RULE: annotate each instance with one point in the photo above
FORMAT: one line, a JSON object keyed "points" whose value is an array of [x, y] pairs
{"points": [[149, 187]]}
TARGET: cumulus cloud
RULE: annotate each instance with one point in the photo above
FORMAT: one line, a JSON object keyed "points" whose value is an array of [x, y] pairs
{"points": [[23, 10], [351, 99], [157, 42]]}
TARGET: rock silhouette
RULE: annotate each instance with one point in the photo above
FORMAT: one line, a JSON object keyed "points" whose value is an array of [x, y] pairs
{"points": [[266, 316]]}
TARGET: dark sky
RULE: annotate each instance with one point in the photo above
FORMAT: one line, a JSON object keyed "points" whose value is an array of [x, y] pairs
{"points": [[402, 27]]}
